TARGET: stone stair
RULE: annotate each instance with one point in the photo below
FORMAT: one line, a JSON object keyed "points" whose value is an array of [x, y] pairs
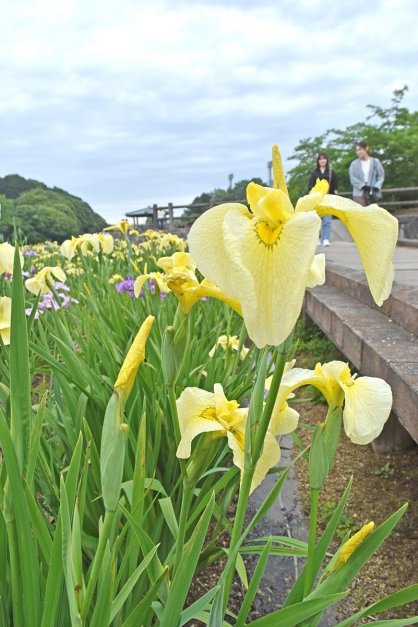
{"points": [[380, 342]]}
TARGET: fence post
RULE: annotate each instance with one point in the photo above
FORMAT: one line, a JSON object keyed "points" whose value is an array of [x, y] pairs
{"points": [[170, 215], [154, 216]]}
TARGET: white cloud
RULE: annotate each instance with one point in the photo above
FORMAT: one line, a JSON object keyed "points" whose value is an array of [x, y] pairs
{"points": [[131, 102]]}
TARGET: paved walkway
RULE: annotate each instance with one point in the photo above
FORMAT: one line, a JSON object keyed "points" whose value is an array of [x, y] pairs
{"points": [[346, 254]]}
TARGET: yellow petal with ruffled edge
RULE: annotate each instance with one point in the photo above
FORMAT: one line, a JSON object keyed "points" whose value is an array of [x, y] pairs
{"points": [[7, 253], [368, 401], [197, 414], [284, 420], [68, 248], [273, 271], [106, 242], [5, 318], [133, 359], [316, 274], [375, 233], [269, 457], [271, 205], [207, 247]]}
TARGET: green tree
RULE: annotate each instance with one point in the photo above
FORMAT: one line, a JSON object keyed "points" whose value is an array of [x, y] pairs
{"points": [[392, 134], [41, 213]]}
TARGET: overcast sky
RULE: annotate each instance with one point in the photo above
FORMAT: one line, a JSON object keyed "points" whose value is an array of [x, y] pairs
{"points": [[132, 102]]}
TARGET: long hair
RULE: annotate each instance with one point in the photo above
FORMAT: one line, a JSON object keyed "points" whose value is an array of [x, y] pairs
{"points": [[320, 156]]}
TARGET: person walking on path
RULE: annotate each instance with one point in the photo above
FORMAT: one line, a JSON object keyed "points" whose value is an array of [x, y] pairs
{"points": [[366, 176], [322, 171]]}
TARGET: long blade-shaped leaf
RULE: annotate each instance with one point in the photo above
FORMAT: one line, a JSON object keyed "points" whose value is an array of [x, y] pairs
{"points": [[182, 579]]}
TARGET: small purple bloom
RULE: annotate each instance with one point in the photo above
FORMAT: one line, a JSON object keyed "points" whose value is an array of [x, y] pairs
{"points": [[30, 253], [126, 286]]}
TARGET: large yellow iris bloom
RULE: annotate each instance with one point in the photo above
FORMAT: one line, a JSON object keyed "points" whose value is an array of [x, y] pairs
{"points": [[367, 401], [200, 411], [263, 256]]}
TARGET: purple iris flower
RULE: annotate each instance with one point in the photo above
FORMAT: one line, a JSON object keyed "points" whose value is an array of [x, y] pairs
{"points": [[126, 286]]}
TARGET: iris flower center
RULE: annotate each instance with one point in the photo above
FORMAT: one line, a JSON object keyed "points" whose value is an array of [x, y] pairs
{"points": [[267, 234]]}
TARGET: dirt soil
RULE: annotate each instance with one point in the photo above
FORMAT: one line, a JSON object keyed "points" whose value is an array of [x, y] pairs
{"points": [[381, 484]]}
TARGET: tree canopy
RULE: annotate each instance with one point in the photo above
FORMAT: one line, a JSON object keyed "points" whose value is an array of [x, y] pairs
{"points": [[39, 213]]}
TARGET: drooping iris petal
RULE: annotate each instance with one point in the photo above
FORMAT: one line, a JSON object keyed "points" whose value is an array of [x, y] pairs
{"points": [[375, 232], [274, 266], [368, 402], [284, 419], [7, 253], [316, 274], [5, 318], [269, 457], [207, 247], [197, 413]]}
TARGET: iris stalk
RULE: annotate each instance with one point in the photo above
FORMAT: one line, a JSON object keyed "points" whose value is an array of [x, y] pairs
{"points": [[253, 457]]}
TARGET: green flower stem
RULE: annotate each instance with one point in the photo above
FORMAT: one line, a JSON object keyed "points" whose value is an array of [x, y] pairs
{"points": [[239, 519], [176, 426], [247, 477], [184, 513], [263, 426], [97, 562], [313, 517]]}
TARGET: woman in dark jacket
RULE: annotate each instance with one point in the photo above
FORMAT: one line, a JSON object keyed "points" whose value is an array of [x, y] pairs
{"points": [[323, 170]]}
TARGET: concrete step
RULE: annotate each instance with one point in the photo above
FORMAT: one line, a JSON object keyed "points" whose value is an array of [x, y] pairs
{"points": [[374, 343], [401, 307]]}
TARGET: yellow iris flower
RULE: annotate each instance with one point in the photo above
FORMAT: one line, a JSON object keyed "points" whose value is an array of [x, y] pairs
{"points": [[263, 256], [123, 226], [367, 401], [230, 342], [179, 277], [5, 318], [200, 411], [39, 283], [87, 242], [7, 253]]}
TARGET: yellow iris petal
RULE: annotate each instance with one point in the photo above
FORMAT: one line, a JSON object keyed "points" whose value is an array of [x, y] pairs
{"points": [[279, 178], [5, 318], [269, 457], [375, 232], [7, 253], [368, 402], [272, 279], [316, 274]]}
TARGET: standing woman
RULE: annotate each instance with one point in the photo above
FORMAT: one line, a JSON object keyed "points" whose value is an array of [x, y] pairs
{"points": [[324, 171], [366, 176]]}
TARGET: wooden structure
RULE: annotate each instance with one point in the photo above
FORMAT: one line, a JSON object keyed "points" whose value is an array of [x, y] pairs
{"points": [[393, 204]]}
